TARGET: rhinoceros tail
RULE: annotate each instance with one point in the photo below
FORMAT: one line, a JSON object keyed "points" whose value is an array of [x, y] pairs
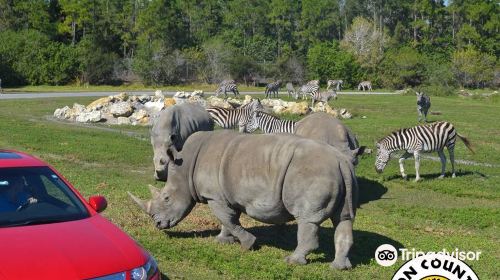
{"points": [[351, 188]]}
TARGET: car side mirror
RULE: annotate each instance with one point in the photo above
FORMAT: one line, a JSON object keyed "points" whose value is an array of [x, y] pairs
{"points": [[98, 203]]}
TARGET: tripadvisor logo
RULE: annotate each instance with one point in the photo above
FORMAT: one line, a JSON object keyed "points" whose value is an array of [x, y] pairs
{"points": [[435, 267]]}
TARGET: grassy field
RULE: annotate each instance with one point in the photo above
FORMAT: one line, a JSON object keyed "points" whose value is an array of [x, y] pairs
{"points": [[430, 215]]}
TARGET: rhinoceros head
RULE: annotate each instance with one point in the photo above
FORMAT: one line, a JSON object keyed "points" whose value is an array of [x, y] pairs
{"points": [[164, 135], [168, 206]]}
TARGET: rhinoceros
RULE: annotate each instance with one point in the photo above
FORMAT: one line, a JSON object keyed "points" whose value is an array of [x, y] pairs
{"points": [[273, 178], [323, 127], [171, 128]]}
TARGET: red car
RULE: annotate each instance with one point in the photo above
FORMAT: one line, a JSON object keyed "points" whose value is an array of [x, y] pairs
{"points": [[49, 231]]}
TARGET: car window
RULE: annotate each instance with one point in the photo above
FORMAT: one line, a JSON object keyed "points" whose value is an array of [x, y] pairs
{"points": [[36, 195]]}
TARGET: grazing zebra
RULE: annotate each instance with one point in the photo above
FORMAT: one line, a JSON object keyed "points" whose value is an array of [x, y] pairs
{"points": [[307, 90], [423, 105], [290, 89], [365, 85], [323, 97], [228, 81], [269, 123], [418, 139], [227, 87], [337, 83], [273, 88], [230, 118]]}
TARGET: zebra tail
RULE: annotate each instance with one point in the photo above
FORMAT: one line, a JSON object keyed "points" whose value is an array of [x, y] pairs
{"points": [[351, 189], [467, 143]]}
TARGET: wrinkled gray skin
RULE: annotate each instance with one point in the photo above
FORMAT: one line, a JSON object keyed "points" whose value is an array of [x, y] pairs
{"points": [[323, 127], [268, 177], [172, 127]]}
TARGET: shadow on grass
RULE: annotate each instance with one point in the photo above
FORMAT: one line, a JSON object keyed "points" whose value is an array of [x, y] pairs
{"points": [[458, 173], [369, 190], [285, 237]]}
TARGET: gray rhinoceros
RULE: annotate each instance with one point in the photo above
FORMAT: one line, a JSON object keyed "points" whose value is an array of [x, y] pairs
{"points": [[273, 178], [171, 128], [323, 127]]}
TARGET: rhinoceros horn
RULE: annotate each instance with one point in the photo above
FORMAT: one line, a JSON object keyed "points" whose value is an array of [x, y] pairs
{"points": [[154, 191], [142, 204]]}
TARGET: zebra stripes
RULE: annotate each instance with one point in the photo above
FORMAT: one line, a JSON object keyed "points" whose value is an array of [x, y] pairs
{"points": [[418, 139], [269, 123], [323, 97], [337, 83], [423, 105], [307, 90], [273, 88], [365, 85], [225, 87], [230, 118], [290, 90]]}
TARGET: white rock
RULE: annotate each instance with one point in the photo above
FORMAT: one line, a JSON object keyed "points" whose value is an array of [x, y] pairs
{"points": [[62, 113], [154, 107], [139, 114], [279, 109], [159, 94], [121, 109], [122, 120], [197, 93], [92, 117]]}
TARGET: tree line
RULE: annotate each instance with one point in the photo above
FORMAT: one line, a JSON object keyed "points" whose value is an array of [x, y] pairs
{"points": [[433, 44]]}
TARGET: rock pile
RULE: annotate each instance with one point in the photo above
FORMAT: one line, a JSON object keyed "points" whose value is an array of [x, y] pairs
{"points": [[138, 110]]}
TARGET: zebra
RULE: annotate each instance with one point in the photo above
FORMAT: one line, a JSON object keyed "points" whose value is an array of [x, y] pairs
{"points": [[418, 139], [423, 105], [365, 85], [227, 87], [230, 118], [269, 123], [337, 83], [313, 82], [290, 89], [323, 97], [273, 88], [307, 90]]}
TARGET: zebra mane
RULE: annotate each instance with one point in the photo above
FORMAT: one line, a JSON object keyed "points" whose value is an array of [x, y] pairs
{"points": [[267, 114]]}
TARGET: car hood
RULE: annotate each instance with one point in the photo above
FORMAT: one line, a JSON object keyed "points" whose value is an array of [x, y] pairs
{"points": [[79, 249]]}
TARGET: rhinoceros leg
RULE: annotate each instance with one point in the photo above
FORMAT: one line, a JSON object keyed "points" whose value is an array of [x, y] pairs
{"points": [[343, 243], [230, 219], [307, 241], [225, 236]]}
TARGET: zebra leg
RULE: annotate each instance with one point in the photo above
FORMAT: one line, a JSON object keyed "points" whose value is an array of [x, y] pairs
{"points": [[307, 241], [443, 163], [451, 151], [419, 114], [416, 155], [401, 165]]}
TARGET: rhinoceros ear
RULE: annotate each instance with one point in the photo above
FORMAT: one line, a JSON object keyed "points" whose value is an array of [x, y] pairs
{"points": [[172, 154]]}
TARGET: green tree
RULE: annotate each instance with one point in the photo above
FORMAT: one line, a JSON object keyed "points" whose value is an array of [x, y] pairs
{"points": [[327, 61], [473, 68], [402, 67]]}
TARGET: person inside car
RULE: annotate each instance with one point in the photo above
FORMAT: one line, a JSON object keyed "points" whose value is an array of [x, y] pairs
{"points": [[13, 194]]}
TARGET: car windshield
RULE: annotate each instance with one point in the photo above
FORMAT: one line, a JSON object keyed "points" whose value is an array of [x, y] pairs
{"points": [[36, 195]]}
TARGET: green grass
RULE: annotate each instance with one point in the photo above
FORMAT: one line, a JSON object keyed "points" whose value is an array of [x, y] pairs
{"points": [[429, 215]]}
